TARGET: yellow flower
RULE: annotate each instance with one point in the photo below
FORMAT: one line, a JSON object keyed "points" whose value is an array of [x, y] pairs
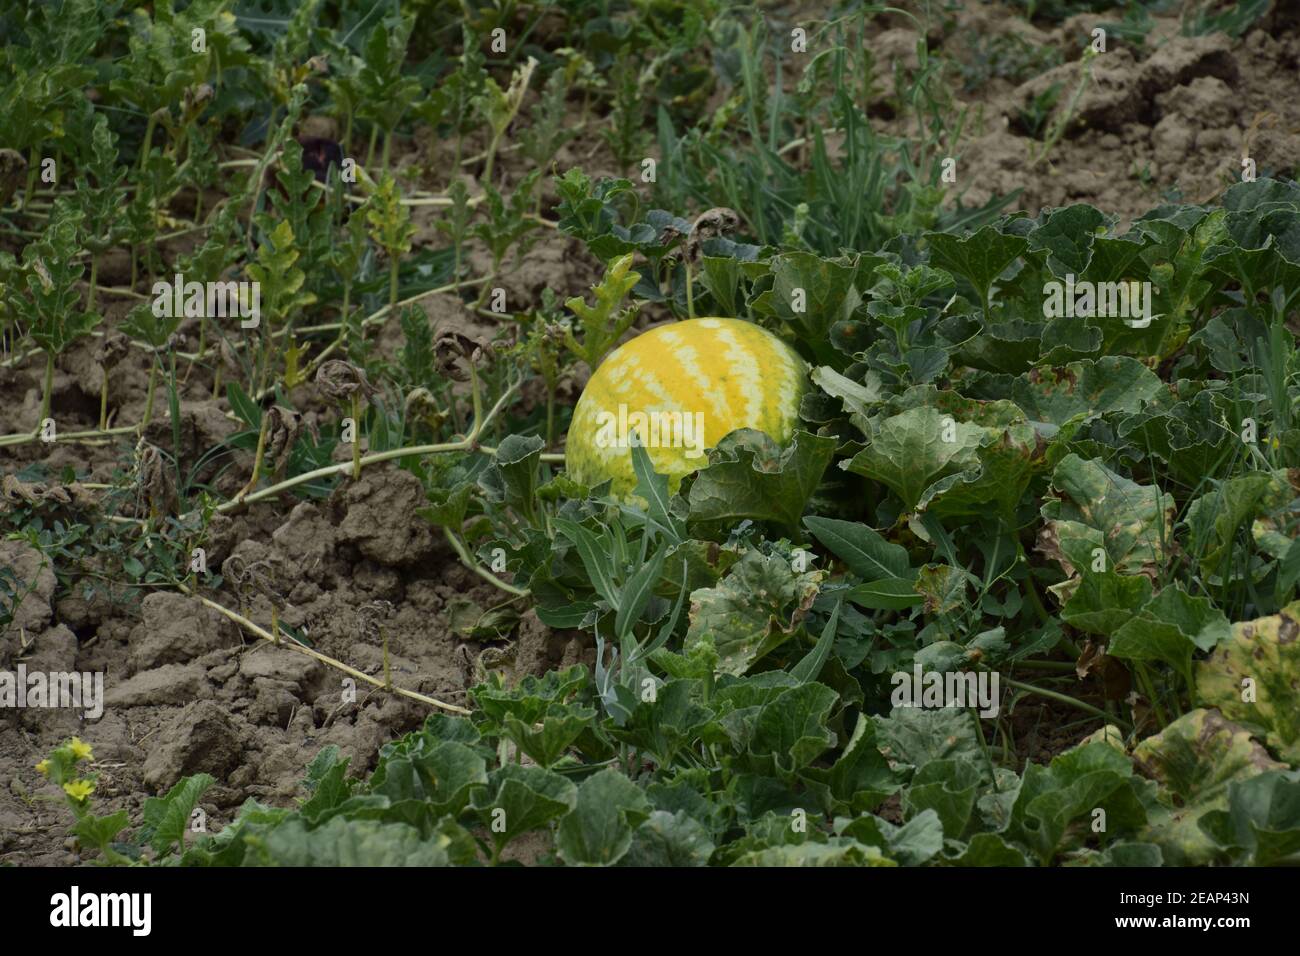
{"points": [[44, 768], [79, 789], [80, 751]]}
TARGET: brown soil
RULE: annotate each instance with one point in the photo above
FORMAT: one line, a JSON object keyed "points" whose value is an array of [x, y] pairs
{"points": [[1167, 122]]}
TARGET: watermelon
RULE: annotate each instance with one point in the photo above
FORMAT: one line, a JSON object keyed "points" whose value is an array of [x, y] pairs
{"points": [[680, 388]]}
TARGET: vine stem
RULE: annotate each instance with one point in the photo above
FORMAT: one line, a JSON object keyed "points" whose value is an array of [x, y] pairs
{"points": [[324, 659], [103, 401], [1064, 699], [149, 396], [372, 319], [468, 560], [89, 435], [356, 436], [551, 457], [420, 201], [468, 443], [46, 395]]}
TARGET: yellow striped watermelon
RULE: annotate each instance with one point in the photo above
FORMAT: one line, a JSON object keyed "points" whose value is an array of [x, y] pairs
{"points": [[681, 388]]}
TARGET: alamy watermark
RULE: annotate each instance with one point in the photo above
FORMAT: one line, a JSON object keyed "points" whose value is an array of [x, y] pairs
{"points": [[657, 429], [213, 300], [933, 690], [1130, 301], [53, 689], [73, 909]]}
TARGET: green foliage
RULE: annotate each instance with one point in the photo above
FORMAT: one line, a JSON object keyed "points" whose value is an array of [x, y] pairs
{"points": [[603, 324], [50, 306], [992, 477]]}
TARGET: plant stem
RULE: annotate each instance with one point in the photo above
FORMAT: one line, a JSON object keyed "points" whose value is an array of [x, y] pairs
{"points": [[87, 436], [356, 436], [1061, 698], [149, 395], [690, 298], [317, 656], [343, 315], [468, 560], [32, 157], [103, 402], [147, 145], [257, 457], [467, 443], [477, 395], [47, 393], [550, 418]]}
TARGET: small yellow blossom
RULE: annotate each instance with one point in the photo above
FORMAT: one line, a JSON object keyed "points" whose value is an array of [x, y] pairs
{"points": [[79, 789], [80, 751], [44, 768]]}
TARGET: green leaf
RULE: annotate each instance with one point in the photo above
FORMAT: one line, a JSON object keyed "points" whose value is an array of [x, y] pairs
{"points": [[1093, 776], [603, 324], [980, 257], [947, 788], [670, 839], [276, 271], [757, 606], [673, 720], [913, 844], [518, 799], [51, 308], [546, 740], [810, 294], [342, 842], [916, 736], [858, 399], [1215, 518], [908, 452], [1067, 235], [1088, 388], [864, 550], [595, 559], [1262, 823], [636, 594], [598, 831], [100, 832], [750, 476], [887, 594], [861, 777], [721, 278], [989, 849], [533, 696], [1253, 677], [1134, 520], [1104, 601], [327, 781], [839, 851], [434, 780], [1195, 759], [792, 727], [1007, 462], [248, 411], [811, 666], [652, 487], [1171, 628]]}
